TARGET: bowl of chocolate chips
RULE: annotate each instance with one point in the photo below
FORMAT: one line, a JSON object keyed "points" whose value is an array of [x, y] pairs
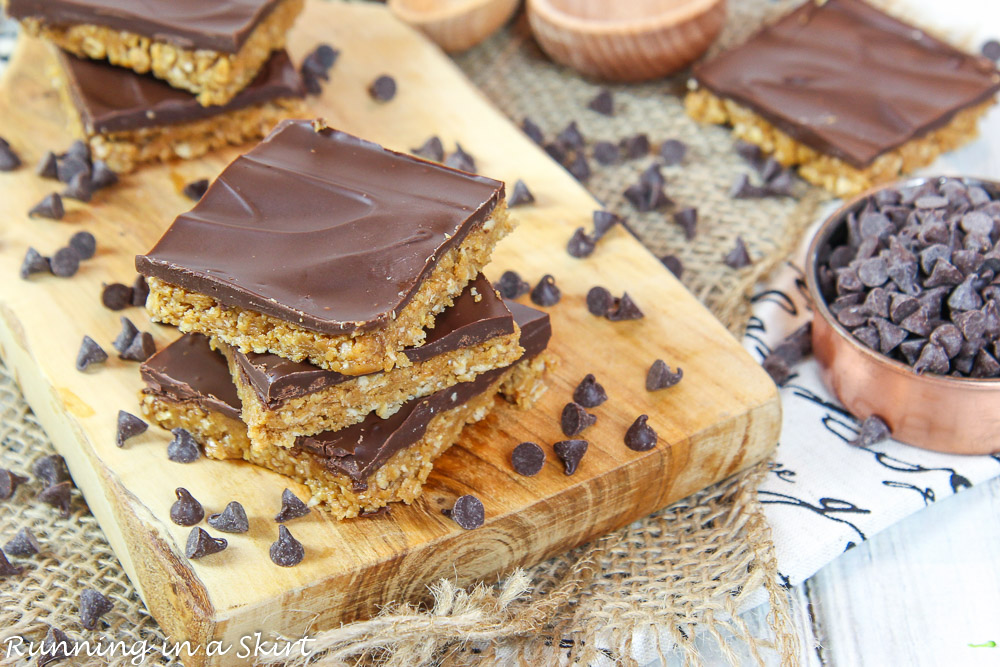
{"points": [[905, 282]]}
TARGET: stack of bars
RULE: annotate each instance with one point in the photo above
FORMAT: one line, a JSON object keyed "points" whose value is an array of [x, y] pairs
{"points": [[338, 328], [177, 82]]}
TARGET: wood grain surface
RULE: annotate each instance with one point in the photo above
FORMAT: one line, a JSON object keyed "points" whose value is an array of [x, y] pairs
{"points": [[723, 417]]}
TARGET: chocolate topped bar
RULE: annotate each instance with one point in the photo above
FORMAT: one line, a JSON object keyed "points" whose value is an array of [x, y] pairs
{"points": [[189, 370], [848, 80], [536, 328], [477, 316], [216, 25], [321, 229], [114, 99]]}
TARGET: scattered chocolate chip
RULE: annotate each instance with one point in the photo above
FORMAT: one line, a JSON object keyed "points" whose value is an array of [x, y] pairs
{"points": [[141, 348], [65, 263], [183, 448], [291, 507], [84, 244], [511, 286], [580, 245], [738, 257], [520, 195], [571, 136], [186, 511], [48, 166], [55, 646], [556, 151], [34, 263], [432, 150], [534, 132], [116, 296], [201, 544], [527, 459], [7, 569], [674, 264], [752, 153], [991, 49], [782, 185], [9, 481], [589, 393], [461, 160], [645, 197], [599, 301], [129, 426], [80, 150], [140, 290], [316, 66], [93, 605], [652, 176], [570, 452], [195, 190], [687, 218], [125, 337], [873, 431], [102, 176], [233, 519], [50, 207], [606, 153], [90, 353], [58, 496], [9, 161], [575, 419], [660, 376], [673, 151], [50, 469], [640, 436], [604, 221], [580, 168], [383, 88], [636, 146], [545, 293], [69, 167], [603, 103], [286, 551], [742, 188], [624, 309], [23, 544]]}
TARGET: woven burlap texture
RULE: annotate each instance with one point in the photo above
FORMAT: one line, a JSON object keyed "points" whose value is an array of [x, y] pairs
{"points": [[681, 571]]}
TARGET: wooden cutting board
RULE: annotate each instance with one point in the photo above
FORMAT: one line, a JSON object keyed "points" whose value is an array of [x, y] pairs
{"points": [[723, 417]]}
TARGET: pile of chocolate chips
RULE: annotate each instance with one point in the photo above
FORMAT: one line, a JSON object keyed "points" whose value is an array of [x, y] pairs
{"points": [[914, 273]]}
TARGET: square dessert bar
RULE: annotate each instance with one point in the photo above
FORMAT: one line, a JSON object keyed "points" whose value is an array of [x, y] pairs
{"points": [[129, 119], [851, 95], [525, 384], [212, 48], [284, 399], [320, 246]]}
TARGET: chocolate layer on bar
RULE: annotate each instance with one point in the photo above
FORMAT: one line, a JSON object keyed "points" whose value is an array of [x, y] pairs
{"points": [[536, 328], [321, 229], [468, 322], [848, 80], [215, 25], [115, 99], [189, 370]]}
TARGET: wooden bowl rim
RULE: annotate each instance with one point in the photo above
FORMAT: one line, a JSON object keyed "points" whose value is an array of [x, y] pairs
{"points": [[405, 11], [676, 14]]}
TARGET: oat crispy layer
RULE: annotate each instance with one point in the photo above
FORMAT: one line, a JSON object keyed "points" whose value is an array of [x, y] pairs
{"points": [[525, 384]]}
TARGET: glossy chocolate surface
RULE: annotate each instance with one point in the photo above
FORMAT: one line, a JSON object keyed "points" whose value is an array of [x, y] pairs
{"points": [[465, 324], [848, 80], [114, 99], [216, 25], [321, 229], [189, 370], [536, 328]]}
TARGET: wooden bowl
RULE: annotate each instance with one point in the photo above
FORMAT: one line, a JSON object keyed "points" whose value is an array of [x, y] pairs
{"points": [[626, 40], [943, 413], [455, 25]]}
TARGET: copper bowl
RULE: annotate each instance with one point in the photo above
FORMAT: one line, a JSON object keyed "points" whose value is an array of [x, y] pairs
{"points": [[946, 414]]}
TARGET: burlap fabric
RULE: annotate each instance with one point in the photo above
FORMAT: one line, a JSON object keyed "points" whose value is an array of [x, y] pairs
{"points": [[682, 571]]}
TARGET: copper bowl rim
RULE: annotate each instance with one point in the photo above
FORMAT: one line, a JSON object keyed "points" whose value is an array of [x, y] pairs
{"points": [[820, 306]]}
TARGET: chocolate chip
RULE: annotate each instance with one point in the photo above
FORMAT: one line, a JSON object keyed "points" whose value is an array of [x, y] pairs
{"points": [[944, 274], [985, 366], [873, 272], [116, 296], [904, 275], [673, 151], [527, 459], [911, 349], [78, 188], [782, 185], [383, 88], [606, 152], [580, 168], [972, 323], [65, 263], [7, 569], [511, 286], [58, 496], [50, 207], [9, 481], [183, 448], [55, 646], [34, 263], [977, 222], [9, 161], [23, 544], [624, 309], [571, 136], [917, 323], [50, 469], [233, 519], [80, 150], [84, 244], [556, 151], [468, 512], [738, 257], [646, 197], [674, 264], [186, 511], [687, 218], [433, 150], [873, 431], [966, 261], [933, 359], [603, 103], [286, 551], [948, 337], [316, 66], [90, 353], [545, 293], [570, 452], [201, 544], [889, 335], [93, 605], [195, 190], [742, 188], [635, 146], [640, 436], [604, 221], [102, 176], [991, 49], [853, 316], [778, 368], [965, 296], [930, 202], [752, 153], [599, 301], [291, 507], [877, 302], [141, 348], [461, 160], [520, 195], [580, 245], [652, 177], [129, 426], [589, 393], [575, 419], [534, 132], [48, 166], [125, 336], [660, 376], [902, 307], [140, 290]]}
